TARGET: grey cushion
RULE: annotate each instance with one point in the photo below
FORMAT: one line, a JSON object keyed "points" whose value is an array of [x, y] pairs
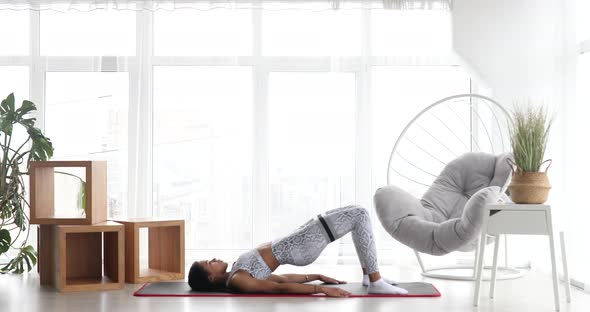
{"points": [[450, 214]]}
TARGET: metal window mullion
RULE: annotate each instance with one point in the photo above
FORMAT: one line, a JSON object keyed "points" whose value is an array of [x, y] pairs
{"points": [[310, 64], [140, 147], [21, 60], [362, 127], [203, 61], [36, 69], [36, 85], [86, 63], [260, 173], [302, 63], [272, 63], [409, 60], [363, 175]]}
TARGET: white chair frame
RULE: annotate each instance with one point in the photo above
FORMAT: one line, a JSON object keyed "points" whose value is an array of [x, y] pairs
{"points": [[433, 272]]}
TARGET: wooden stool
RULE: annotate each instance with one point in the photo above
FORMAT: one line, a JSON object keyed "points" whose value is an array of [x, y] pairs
{"points": [[166, 250], [71, 256], [42, 195]]}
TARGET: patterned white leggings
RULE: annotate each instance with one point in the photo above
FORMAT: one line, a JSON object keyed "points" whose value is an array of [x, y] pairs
{"points": [[304, 245]]}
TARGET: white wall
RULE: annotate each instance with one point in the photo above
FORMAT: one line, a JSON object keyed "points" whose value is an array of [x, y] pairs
{"points": [[516, 49], [511, 45]]}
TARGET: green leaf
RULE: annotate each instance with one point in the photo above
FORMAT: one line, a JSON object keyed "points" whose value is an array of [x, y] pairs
{"points": [[12, 202], [6, 268], [28, 262], [19, 219], [41, 148], [6, 123], [28, 122], [4, 241], [529, 135], [30, 255], [25, 108], [8, 114], [7, 104], [6, 209], [6, 212], [30, 251], [26, 255]]}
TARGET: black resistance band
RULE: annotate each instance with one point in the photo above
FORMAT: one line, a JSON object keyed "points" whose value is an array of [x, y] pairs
{"points": [[325, 225]]}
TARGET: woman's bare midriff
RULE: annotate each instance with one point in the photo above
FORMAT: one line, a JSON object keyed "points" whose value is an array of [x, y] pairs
{"points": [[265, 251]]}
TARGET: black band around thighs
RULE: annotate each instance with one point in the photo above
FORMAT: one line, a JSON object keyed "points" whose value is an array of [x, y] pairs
{"points": [[325, 225]]}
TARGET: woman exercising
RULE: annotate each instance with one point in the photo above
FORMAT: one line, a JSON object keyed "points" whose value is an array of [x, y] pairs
{"points": [[252, 272]]}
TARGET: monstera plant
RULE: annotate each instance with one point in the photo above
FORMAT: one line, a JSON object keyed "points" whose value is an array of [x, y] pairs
{"points": [[15, 158]]}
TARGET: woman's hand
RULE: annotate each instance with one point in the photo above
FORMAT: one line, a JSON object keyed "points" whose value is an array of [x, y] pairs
{"points": [[329, 280], [334, 292]]}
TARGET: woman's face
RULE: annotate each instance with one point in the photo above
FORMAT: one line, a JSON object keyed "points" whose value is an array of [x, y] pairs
{"points": [[214, 266]]}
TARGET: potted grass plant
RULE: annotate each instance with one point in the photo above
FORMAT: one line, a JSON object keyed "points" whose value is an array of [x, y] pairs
{"points": [[15, 156], [529, 134]]}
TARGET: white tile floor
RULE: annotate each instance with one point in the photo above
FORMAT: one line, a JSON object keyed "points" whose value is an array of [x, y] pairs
{"points": [[530, 293]]}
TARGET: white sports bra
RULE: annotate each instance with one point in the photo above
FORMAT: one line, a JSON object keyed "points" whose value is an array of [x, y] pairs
{"points": [[252, 263]]}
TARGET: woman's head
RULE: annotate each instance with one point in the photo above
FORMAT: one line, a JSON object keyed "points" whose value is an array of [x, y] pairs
{"points": [[207, 274]]}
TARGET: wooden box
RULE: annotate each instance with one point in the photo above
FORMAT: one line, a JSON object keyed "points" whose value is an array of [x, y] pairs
{"points": [[165, 254], [71, 256], [42, 192]]}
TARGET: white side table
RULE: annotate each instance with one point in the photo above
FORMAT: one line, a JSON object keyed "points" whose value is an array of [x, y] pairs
{"points": [[519, 219]]}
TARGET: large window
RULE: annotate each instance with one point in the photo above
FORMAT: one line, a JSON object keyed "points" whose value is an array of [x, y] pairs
{"points": [[203, 153], [203, 33], [577, 230], [323, 33], [311, 146], [90, 122], [14, 32], [14, 79], [88, 33], [246, 122]]}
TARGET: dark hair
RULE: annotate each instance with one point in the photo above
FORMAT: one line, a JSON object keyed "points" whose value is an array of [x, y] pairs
{"points": [[198, 278]]}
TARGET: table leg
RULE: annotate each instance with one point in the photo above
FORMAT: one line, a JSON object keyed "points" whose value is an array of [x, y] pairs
{"points": [[494, 265], [482, 247], [475, 260], [506, 251], [553, 264], [566, 274]]}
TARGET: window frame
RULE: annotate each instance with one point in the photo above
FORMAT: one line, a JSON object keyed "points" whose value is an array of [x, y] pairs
{"points": [[361, 66]]}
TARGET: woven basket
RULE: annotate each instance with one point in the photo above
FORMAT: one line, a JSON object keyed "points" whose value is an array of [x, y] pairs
{"points": [[529, 187]]}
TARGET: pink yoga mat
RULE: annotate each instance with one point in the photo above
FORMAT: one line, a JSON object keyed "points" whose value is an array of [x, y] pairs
{"points": [[181, 289]]}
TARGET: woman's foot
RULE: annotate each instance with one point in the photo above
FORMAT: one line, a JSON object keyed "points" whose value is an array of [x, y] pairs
{"points": [[387, 280], [382, 287]]}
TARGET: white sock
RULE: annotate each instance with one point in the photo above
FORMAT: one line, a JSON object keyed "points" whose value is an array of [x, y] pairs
{"points": [[382, 287], [387, 280]]}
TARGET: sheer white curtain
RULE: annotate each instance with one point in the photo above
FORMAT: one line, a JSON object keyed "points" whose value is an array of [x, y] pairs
{"points": [[253, 125], [88, 5]]}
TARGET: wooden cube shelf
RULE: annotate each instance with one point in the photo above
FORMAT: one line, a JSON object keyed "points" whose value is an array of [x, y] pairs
{"points": [[43, 198], [71, 256], [165, 254]]}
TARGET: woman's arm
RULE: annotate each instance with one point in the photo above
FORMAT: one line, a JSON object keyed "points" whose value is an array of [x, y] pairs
{"points": [[247, 284], [304, 278]]}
